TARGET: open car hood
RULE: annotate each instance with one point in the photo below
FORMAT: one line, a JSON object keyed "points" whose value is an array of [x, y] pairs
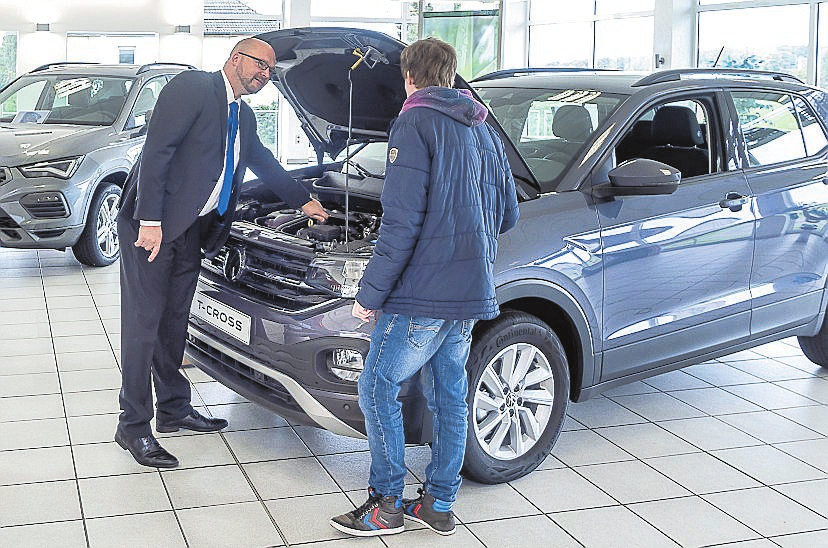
{"points": [[312, 72], [312, 69]]}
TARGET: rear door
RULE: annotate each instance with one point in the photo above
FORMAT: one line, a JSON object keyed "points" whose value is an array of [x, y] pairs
{"points": [[676, 267], [785, 149]]}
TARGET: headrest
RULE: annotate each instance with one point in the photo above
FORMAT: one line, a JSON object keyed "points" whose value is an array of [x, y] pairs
{"points": [[145, 100], [572, 122], [642, 132], [677, 126], [79, 98]]}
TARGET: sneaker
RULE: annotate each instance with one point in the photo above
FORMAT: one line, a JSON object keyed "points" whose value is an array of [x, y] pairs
{"points": [[422, 511], [379, 515]]}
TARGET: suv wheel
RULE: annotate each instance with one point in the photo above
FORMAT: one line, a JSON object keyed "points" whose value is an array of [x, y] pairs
{"points": [[816, 348], [98, 243], [518, 394]]}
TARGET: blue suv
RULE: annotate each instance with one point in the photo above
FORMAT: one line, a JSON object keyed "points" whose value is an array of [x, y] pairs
{"points": [[666, 220]]}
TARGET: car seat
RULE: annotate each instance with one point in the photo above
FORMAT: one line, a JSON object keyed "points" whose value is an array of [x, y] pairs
{"points": [[573, 124], [677, 135]]}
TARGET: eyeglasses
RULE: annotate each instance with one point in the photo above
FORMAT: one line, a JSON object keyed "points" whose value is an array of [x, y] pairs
{"points": [[261, 63]]}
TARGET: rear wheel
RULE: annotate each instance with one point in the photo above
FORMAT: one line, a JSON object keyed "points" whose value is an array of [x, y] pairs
{"points": [[518, 394], [816, 348], [98, 243]]}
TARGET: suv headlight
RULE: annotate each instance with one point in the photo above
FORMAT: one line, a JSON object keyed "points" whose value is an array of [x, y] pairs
{"points": [[62, 169], [339, 275]]}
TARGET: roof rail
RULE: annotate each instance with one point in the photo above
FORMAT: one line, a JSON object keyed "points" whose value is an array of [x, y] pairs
{"points": [[676, 74], [47, 65], [506, 73], [145, 68]]}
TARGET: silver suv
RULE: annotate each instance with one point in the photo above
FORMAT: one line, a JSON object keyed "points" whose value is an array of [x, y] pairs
{"points": [[69, 134]]}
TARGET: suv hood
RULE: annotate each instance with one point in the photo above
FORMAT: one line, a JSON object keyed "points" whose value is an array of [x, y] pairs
{"points": [[312, 66], [22, 144]]}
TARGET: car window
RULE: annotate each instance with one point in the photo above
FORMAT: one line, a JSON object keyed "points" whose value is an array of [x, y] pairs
{"points": [[145, 102], [677, 133], [23, 98], [812, 131], [65, 99], [770, 127], [549, 127]]}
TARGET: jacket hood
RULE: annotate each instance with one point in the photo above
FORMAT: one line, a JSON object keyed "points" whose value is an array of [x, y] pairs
{"points": [[454, 103]]}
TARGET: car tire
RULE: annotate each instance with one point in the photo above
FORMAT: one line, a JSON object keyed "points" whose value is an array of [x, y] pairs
{"points": [[509, 435], [98, 243], [816, 348]]}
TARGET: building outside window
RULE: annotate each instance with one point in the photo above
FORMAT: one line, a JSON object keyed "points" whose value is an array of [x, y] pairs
{"points": [[126, 55], [8, 57], [592, 34]]}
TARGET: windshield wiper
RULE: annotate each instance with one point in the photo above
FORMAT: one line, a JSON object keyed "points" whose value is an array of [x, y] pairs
{"points": [[363, 172]]}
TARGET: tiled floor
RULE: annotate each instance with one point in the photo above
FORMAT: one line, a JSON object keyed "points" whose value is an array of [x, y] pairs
{"points": [[728, 453]]}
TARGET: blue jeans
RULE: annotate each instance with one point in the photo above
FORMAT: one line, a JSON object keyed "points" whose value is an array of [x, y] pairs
{"points": [[401, 346]]}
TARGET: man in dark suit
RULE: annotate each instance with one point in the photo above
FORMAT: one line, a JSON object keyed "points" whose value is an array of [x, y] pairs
{"points": [[179, 201]]}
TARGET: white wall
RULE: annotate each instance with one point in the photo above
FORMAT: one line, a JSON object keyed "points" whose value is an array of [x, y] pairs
{"points": [[157, 17]]}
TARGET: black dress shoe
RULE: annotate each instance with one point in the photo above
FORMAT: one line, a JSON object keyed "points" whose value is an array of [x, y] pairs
{"points": [[146, 451], [195, 421]]}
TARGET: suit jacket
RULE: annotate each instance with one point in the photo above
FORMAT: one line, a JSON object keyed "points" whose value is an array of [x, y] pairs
{"points": [[183, 157]]}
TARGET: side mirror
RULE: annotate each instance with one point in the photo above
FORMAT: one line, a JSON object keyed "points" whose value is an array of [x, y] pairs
{"points": [[640, 176]]}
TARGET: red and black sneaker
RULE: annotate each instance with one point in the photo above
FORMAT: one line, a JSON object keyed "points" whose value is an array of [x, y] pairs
{"points": [[422, 511], [379, 515]]}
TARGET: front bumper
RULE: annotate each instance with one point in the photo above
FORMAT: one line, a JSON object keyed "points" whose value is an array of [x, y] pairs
{"points": [[284, 366], [26, 224]]}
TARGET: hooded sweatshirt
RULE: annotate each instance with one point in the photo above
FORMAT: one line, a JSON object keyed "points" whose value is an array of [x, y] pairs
{"points": [[448, 193]]}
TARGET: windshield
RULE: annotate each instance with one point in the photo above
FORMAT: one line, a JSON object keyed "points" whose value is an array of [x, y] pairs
{"points": [[549, 127], [64, 99]]}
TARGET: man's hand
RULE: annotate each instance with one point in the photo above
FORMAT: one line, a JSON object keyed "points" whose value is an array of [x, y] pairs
{"points": [[361, 313], [149, 237], [314, 210]]}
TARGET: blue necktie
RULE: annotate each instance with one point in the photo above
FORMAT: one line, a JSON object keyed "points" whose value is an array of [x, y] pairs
{"points": [[227, 185]]}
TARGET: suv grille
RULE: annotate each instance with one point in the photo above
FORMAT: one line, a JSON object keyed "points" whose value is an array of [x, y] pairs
{"points": [[44, 205], [271, 275]]}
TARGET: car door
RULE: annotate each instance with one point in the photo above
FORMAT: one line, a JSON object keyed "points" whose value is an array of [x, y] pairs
{"points": [[784, 148], [676, 267]]}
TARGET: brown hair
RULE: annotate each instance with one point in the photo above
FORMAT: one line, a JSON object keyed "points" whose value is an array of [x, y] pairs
{"points": [[429, 62]]}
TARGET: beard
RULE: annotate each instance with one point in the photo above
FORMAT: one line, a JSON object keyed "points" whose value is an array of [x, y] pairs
{"points": [[252, 84]]}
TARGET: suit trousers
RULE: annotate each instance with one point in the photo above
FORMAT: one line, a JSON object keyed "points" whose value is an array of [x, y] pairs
{"points": [[155, 306]]}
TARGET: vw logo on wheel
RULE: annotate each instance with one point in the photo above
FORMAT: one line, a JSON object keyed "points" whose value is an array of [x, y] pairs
{"points": [[235, 264]]}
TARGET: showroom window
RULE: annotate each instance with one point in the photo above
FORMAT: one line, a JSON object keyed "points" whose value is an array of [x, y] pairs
{"points": [[8, 57], [592, 33]]}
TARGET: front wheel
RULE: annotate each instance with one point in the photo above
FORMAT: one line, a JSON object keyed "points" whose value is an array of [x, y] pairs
{"points": [[518, 394], [816, 348], [98, 243]]}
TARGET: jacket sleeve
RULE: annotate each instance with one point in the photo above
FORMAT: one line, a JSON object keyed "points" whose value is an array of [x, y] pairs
{"points": [[269, 171], [404, 199], [179, 105], [511, 212]]}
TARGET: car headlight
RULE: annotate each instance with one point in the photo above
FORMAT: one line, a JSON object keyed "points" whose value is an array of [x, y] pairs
{"points": [[339, 275], [63, 169]]}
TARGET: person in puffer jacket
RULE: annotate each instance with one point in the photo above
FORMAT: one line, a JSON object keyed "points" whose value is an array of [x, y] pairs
{"points": [[448, 193]]}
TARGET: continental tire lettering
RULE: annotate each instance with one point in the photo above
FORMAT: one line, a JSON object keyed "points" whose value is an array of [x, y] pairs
{"points": [[529, 331]]}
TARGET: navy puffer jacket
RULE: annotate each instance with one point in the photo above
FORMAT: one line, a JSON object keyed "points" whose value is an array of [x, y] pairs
{"points": [[448, 193]]}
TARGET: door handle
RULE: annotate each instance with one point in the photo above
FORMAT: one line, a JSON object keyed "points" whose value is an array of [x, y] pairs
{"points": [[733, 201]]}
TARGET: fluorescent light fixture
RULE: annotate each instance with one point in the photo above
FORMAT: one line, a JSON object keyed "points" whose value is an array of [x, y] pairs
{"points": [[42, 27]]}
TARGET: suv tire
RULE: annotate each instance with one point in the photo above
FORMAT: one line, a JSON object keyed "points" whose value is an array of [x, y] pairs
{"points": [[816, 348], [513, 423], [98, 243]]}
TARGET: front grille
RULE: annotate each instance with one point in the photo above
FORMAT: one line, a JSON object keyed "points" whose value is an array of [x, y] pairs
{"points": [[203, 351], [6, 221], [274, 276], [49, 233]]}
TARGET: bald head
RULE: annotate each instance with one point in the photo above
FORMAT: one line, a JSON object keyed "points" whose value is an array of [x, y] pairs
{"points": [[248, 67]]}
